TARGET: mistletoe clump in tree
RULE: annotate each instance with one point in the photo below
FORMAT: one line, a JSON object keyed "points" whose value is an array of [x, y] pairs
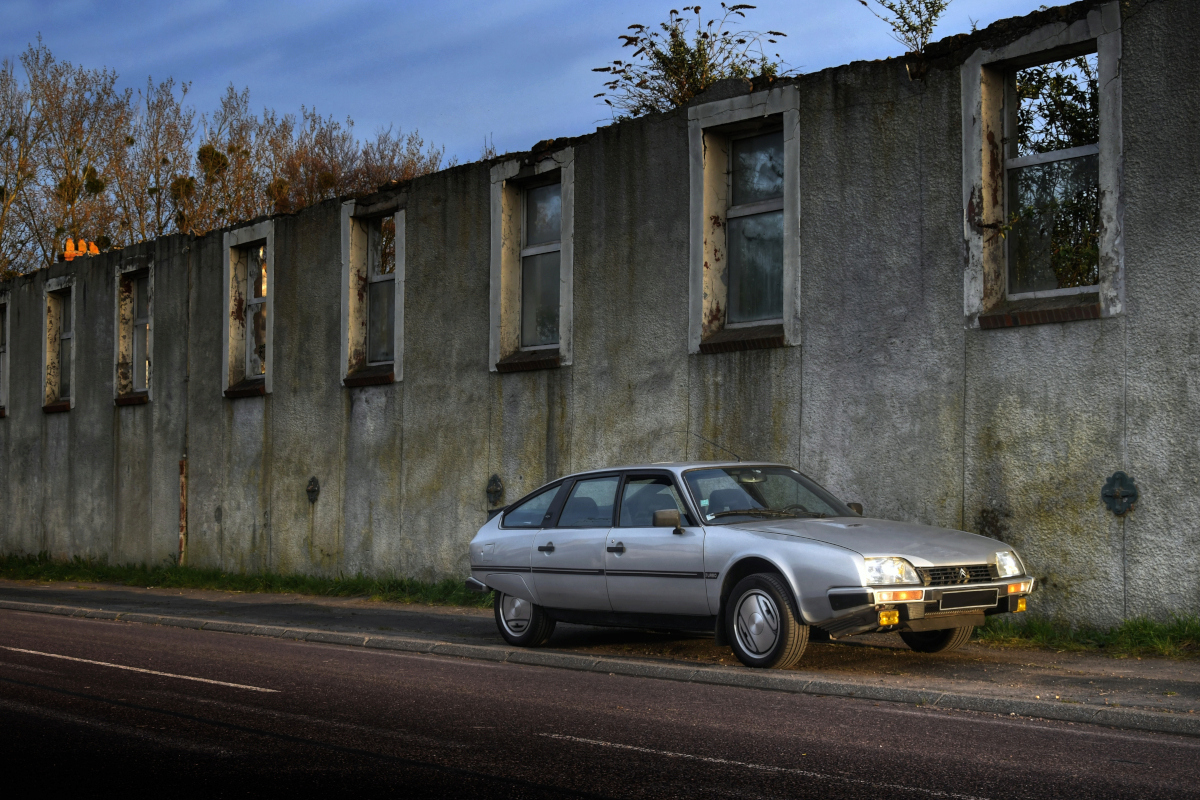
{"points": [[680, 58]]}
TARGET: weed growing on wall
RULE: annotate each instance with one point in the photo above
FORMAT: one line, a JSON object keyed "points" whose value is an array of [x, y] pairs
{"points": [[680, 58]]}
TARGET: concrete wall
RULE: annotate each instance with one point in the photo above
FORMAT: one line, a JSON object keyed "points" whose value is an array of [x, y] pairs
{"points": [[890, 399]]}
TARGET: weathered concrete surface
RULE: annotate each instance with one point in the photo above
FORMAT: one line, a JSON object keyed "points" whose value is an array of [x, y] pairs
{"points": [[889, 399]]}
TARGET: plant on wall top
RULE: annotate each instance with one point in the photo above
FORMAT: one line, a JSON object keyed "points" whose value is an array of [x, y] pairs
{"points": [[680, 58]]}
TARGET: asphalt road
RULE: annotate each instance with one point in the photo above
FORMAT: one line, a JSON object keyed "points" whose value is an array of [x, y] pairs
{"points": [[96, 707]]}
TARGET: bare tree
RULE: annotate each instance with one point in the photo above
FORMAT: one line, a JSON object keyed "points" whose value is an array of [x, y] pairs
{"points": [[83, 118], [157, 150], [20, 135]]}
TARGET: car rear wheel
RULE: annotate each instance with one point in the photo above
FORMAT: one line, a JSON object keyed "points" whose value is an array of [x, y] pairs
{"points": [[521, 622], [762, 624], [937, 641]]}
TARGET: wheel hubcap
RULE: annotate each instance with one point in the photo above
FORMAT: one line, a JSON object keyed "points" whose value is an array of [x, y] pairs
{"points": [[514, 613], [756, 622]]}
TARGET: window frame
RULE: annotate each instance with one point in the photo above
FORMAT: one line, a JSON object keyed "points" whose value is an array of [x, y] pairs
{"points": [[711, 129], [749, 210], [357, 217], [125, 392], [251, 303], [52, 292], [236, 327], [508, 181], [1010, 163], [985, 83], [537, 250]]}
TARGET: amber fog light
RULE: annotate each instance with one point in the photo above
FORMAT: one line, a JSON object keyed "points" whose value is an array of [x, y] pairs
{"points": [[908, 595], [1018, 588], [1020, 604], [889, 617]]}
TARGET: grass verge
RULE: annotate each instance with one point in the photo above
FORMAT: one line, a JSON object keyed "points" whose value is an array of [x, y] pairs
{"points": [[449, 592], [1178, 637]]}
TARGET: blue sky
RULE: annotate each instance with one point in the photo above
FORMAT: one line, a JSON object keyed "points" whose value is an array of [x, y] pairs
{"points": [[456, 71]]}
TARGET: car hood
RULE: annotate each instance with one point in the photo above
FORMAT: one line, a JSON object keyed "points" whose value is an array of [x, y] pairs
{"points": [[923, 545]]}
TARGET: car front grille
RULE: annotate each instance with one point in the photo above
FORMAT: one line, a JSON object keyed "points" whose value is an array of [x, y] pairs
{"points": [[955, 576]]}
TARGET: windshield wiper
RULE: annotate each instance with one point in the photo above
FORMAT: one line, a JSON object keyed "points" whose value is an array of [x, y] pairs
{"points": [[766, 512]]}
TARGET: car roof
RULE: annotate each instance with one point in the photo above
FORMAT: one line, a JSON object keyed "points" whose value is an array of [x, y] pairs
{"points": [[677, 466]]}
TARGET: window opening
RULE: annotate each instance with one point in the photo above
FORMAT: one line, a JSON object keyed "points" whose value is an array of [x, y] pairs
{"points": [[141, 333], [256, 311], [66, 339], [541, 251], [1052, 166], [381, 291], [754, 229]]}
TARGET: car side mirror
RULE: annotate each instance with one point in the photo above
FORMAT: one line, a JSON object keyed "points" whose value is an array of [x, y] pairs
{"points": [[856, 508], [668, 518]]}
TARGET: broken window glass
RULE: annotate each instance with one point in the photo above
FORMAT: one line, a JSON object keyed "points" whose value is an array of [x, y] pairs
{"points": [[1053, 171], [381, 316], [543, 214], [539, 299], [257, 271], [757, 168], [256, 362], [755, 229], [540, 263]]}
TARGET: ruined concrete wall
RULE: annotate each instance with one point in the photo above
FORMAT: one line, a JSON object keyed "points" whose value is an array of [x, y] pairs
{"points": [[98, 480], [1160, 351], [889, 399]]}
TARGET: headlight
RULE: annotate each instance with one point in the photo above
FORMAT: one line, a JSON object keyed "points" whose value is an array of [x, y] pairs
{"points": [[890, 570], [1007, 564]]}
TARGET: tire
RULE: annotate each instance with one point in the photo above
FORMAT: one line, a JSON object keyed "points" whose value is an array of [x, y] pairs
{"points": [[762, 624], [942, 641], [521, 623]]}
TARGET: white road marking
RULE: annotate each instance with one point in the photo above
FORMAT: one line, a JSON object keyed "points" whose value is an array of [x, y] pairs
{"points": [[138, 669], [764, 767]]}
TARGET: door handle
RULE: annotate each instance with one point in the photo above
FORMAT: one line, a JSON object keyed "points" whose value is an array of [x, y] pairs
{"points": [[619, 547], [548, 547]]}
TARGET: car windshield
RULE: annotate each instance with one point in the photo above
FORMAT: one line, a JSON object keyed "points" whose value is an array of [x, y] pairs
{"points": [[740, 494]]}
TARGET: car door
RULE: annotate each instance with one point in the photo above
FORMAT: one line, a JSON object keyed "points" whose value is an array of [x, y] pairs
{"points": [[649, 569], [568, 558]]}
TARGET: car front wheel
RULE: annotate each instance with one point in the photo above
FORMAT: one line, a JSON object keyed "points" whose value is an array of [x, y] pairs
{"points": [[521, 622], [937, 641], [763, 627]]}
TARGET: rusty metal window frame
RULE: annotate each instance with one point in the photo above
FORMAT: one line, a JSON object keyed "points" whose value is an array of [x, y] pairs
{"points": [[1011, 163], [537, 250], [749, 209]]}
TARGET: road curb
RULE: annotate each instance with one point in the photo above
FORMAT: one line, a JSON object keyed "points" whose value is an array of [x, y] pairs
{"points": [[795, 683]]}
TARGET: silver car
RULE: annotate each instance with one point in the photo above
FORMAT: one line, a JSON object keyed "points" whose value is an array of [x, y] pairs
{"points": [[759, 554]]}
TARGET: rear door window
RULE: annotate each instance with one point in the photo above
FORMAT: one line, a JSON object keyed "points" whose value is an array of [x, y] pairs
{"points": [[590, 504], [532, 513]]}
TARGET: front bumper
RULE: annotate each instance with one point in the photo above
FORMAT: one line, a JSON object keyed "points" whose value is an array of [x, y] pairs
{"points": [[932, 608]]}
